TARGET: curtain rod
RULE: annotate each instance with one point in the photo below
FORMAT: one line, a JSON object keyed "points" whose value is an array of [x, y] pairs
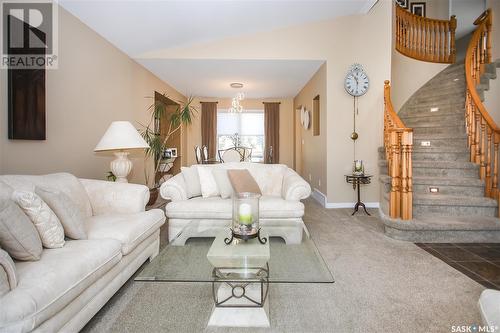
{"points": [[271, 102], [210, 102]]}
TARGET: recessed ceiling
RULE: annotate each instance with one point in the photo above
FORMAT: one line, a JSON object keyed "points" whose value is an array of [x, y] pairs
{"points": [[139, 27], [211, 78]]}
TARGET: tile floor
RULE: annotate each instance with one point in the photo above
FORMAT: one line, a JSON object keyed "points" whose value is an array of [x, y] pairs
{"points": [[480, 262]]}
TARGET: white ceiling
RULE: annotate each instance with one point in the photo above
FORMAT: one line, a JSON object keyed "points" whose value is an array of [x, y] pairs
{"points": [[211, 78], [137, 27]]}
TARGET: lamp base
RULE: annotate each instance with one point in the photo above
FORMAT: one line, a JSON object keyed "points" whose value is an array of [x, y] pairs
{"points": [[121, 166]]}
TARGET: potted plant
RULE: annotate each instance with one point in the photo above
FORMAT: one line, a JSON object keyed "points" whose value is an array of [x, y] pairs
{"points": [[182, 116]]}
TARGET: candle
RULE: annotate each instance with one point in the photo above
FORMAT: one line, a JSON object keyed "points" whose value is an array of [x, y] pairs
{"points": [[245, 214]]}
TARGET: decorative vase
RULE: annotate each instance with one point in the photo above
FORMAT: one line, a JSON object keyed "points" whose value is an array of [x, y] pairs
{"points": [[245, 221], [153, 195]]}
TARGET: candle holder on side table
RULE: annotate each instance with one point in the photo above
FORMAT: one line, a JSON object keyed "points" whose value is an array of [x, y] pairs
{"points": [[245, 224]]}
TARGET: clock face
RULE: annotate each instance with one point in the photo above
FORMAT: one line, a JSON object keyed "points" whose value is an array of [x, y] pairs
{"points": [[356, 82]]}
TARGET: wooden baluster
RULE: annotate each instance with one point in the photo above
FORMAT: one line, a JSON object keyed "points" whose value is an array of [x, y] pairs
{"points": [[453, 26], [482, 168], [406, 175], [487, 189], [472, 134], [494, 185], [427, 46], [446, 42], [440, 42], [478, 118], [436, 39], [394, 203], [467, 119]]}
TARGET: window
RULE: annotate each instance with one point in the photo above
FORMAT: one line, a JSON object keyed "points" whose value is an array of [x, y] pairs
{"points": [[249, 127]]}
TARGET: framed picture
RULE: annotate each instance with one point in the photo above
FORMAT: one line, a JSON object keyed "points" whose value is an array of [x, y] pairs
{"points": [[167, 153], [418, 8], [174, 152], [402, 3]]}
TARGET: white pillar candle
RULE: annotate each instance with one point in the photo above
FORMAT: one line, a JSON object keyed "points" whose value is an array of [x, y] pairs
{"points": [[245, 213]]}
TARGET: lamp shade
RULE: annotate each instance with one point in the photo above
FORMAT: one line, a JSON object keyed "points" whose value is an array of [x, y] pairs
{"points": [[121, 135]]}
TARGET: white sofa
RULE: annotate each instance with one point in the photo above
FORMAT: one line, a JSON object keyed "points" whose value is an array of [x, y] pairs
{"points": [[281, 211], [64, 289], [489, 307]]}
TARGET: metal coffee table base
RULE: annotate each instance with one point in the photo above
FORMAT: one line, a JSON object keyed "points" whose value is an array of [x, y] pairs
{"points": [[240, 297]]}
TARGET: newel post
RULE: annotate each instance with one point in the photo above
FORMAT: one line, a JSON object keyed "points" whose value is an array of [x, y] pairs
{"points": [[406, 175], [395, 173]]}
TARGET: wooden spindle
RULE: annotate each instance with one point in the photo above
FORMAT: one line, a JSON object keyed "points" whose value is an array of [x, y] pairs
{"points": [[477, 158], [487, 180], [482, 168]]}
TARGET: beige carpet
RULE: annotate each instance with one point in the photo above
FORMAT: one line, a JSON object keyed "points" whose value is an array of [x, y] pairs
{"points": [[382, 285]]}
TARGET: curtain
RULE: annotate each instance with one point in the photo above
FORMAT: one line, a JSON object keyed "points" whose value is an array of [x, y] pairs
{"points": [[271, 128], [209, 127]]}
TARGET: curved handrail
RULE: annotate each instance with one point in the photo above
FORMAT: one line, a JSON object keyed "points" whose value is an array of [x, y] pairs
{"points": [[398, 144], [483, 134], [424, 38]]}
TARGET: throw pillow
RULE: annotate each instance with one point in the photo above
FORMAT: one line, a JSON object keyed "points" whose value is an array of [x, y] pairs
{"points": [[192, 180], [46, 222], [69, 214], [18, 235], [243, 181], [223, 183], [207, 182], [9, 268]]}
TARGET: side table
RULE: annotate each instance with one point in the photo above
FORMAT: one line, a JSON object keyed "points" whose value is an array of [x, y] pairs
{"points": [[357, 181]]}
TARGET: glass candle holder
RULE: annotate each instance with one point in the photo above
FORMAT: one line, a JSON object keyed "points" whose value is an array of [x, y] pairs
{"points": [[245, 221]]}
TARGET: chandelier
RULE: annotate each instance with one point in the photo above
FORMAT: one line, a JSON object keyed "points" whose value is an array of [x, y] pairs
{"points": [[235, 102]]}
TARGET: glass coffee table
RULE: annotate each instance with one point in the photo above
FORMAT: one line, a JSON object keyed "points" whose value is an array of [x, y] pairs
{"points": [[239, 273]]}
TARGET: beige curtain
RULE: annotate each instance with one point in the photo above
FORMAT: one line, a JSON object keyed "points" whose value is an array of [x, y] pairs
{"points": [[272, 127], [209, 127]]}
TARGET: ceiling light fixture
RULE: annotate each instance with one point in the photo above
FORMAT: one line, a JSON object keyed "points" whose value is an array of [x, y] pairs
{"points": [[236, 85]]}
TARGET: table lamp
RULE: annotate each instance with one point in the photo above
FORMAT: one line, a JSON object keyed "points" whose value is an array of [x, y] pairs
{"points": [[120, 137]]}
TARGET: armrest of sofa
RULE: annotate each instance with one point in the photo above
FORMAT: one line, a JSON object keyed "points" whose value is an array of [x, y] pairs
{"points": [[174, 188], [115, 198], [295, 188]]}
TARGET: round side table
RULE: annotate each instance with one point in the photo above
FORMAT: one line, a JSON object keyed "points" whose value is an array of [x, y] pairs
{"points": [[357, 181]]}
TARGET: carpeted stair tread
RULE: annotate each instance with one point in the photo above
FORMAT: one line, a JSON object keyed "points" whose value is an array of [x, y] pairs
{"points": [[450, 200], [447, 223]]}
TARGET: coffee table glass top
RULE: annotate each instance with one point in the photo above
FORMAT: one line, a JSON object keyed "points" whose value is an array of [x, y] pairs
{"points": [[300, 263]]}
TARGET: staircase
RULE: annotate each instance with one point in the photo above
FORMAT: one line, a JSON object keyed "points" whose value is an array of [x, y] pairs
{"points": [[448, 196]]}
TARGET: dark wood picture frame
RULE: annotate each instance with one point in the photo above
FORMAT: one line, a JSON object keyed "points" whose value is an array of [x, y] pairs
{"points": [[418, 8], [403, 3], [26, 100]]}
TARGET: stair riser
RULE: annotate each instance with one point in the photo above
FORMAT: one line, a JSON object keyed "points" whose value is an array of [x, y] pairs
{"points": [[463, 157], [456, 120], [431, 210], [476, 191], [442, 143], [438, 96], [420, 110], [430, 172], [456, 130], [432, 123], [452, 88]]}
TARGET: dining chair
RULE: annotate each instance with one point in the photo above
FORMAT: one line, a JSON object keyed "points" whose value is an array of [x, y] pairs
{"points": [[197, 154], [204, 151], [230, 155]]}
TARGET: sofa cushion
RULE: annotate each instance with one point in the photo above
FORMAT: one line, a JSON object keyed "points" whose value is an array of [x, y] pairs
{"points": [[8, 277], [192, 181], [46, 222], [18, 235], [218, 208], [130, 230], [64, 182], [71, 217], [46, 286]]}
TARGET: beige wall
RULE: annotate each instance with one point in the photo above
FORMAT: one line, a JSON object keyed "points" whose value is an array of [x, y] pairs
{"points": [[340, 45], [94, 85], [495, 6], [193, 132], [310, 151]]}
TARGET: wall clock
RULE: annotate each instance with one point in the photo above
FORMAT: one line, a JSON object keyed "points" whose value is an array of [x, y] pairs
{"points": [[356, 82]]}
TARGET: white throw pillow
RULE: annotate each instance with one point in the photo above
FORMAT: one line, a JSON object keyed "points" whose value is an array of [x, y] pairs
{"points": [[46, 222], [192, 180], [8, 280], [207, 182], [223, 183]]}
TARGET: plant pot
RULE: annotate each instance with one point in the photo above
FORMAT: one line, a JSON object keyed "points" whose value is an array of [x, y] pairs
{"points": [[153, 195]]}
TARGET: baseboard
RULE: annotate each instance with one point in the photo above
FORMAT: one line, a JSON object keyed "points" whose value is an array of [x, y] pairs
{"points": [[319, 197], [332, 205]]}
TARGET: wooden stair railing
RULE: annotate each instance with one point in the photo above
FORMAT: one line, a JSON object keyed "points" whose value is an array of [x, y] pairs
{"points": [[425, 39], [398, 144], [483, 134]]}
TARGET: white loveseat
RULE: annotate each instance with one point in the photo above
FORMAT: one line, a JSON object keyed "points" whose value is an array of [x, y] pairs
{"points": [[281, 211], [64, 289]]}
